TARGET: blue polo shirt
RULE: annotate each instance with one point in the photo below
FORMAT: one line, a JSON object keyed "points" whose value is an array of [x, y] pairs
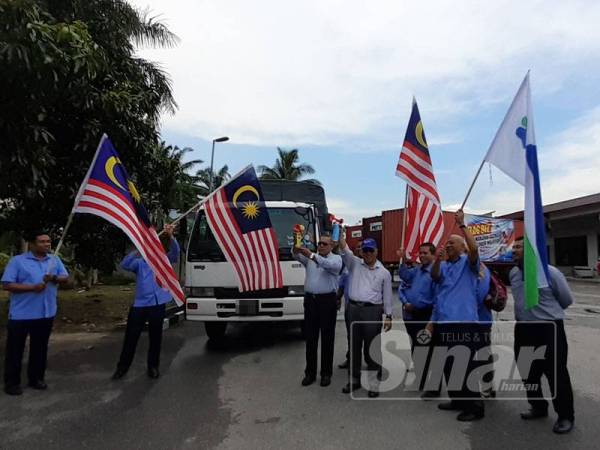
{"points": [[483, 287], [456, 292], [417, 288], [147, 290], [28, 269]]}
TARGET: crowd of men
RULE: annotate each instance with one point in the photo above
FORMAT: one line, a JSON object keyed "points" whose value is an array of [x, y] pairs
{"points": [[445, 294]]}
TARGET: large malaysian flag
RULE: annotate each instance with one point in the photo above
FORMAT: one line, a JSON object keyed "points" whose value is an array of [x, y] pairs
{"points": [[424, 212], [240, 222], [108, 192]]}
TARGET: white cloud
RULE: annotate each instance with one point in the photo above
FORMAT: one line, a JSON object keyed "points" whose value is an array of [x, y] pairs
{"points": [[271, 72], [569, 168]]}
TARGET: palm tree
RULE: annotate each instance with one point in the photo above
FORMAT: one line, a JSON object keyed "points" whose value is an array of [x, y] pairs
{"points": [[220, 177], [287, 168]]}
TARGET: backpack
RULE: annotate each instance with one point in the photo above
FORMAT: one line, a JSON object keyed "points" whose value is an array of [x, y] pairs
{"points": [[498, 294]]}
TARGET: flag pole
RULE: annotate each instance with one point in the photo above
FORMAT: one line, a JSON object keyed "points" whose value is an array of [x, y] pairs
{"points": [[472, 184], [404, 223], [78, 196], [185, 214]]}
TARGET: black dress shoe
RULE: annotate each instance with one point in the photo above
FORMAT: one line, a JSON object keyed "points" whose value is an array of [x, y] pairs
{"points": [[119, 373], [39, 385], [344, 365], [534, 414], [563, 426], [325, 381], [13, 390], [350, 388], [153, 372], [470, 416], [373, 394], [308, 380], [448, 406]]}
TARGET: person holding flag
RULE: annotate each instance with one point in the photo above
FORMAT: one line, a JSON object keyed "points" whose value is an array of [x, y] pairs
{"points": [[108, 192], [540, 290], [538, 327], [148, 307]]}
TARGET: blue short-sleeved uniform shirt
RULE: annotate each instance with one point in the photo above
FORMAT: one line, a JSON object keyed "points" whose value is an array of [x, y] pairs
{"points": [[147, 290], [28, 269], [456, 292]]}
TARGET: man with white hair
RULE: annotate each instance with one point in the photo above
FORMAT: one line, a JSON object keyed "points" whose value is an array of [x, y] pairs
{"points": [[455, 315]]}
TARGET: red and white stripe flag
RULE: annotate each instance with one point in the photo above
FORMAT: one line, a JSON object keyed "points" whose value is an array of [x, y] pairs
{"points": [[425, 222], [108, 192], [240, 222]]}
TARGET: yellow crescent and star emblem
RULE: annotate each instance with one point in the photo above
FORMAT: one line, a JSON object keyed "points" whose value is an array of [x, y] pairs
{"points": [[419, 134], [109, 168], [250, 209]]}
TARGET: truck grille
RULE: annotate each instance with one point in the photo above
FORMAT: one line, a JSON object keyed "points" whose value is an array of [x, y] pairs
{"points": [[222, 293]]}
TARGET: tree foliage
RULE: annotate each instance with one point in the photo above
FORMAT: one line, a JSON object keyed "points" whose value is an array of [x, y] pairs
{"points": [[287, 168], [69, 74]]}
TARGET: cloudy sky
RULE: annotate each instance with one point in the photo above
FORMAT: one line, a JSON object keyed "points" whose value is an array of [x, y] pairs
{"points": [[335, 79]]}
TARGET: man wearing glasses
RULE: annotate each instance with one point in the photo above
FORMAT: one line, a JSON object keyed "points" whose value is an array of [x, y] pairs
{"points": [[370, 296], [320, 306]]}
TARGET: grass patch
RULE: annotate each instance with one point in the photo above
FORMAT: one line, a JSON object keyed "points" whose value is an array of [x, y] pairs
{"points": [[99, 309]]}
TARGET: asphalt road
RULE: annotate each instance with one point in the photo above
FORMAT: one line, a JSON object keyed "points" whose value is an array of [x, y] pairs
{"points": [[246, 393]]}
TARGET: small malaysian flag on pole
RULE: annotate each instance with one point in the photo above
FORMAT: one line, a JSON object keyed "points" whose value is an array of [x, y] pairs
{"points": [[423, 211], [240, 222], [108, 192]]}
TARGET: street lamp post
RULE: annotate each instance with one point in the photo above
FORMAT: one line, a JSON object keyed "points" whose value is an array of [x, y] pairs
{"points": [[212, 159]]}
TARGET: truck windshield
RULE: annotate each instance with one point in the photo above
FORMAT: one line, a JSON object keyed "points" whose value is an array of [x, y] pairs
{"points": [[204, 247]]}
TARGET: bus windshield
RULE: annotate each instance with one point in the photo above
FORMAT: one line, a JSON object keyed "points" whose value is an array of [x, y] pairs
{"points": [[204, 247]]}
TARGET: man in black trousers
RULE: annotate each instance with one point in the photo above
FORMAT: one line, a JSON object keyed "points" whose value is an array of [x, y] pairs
{"points": [[543, 325], [320, 306], [32, 279]]}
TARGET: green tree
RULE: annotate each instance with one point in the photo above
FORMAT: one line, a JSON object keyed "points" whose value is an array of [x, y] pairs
{"points": [[220, 177], [287, 168], [69, 74]]}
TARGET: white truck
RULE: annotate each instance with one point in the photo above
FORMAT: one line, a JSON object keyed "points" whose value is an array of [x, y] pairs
{"points": [[211, 285]]}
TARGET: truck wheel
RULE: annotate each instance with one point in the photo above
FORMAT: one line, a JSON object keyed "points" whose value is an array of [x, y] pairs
{"points": [[215, 330]]}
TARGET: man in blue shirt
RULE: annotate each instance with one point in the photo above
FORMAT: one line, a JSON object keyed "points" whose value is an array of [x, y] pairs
{"points": [[32, 279], [416, 297], [455, 316], [320, 306], [148, 306]]}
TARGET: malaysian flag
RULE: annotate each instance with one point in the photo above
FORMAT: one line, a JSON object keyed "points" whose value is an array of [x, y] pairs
{"points": [[108, 192], [240, 222], [424, 212]]}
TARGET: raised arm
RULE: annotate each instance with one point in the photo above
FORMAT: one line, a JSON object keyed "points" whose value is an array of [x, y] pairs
{"points": [[131, 262], [174, 250], [473, 248], [436, 268], [347, 256]]}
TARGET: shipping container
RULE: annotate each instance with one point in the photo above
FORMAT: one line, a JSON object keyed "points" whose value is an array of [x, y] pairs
{"points": [[353, 236], [372, 227]]}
